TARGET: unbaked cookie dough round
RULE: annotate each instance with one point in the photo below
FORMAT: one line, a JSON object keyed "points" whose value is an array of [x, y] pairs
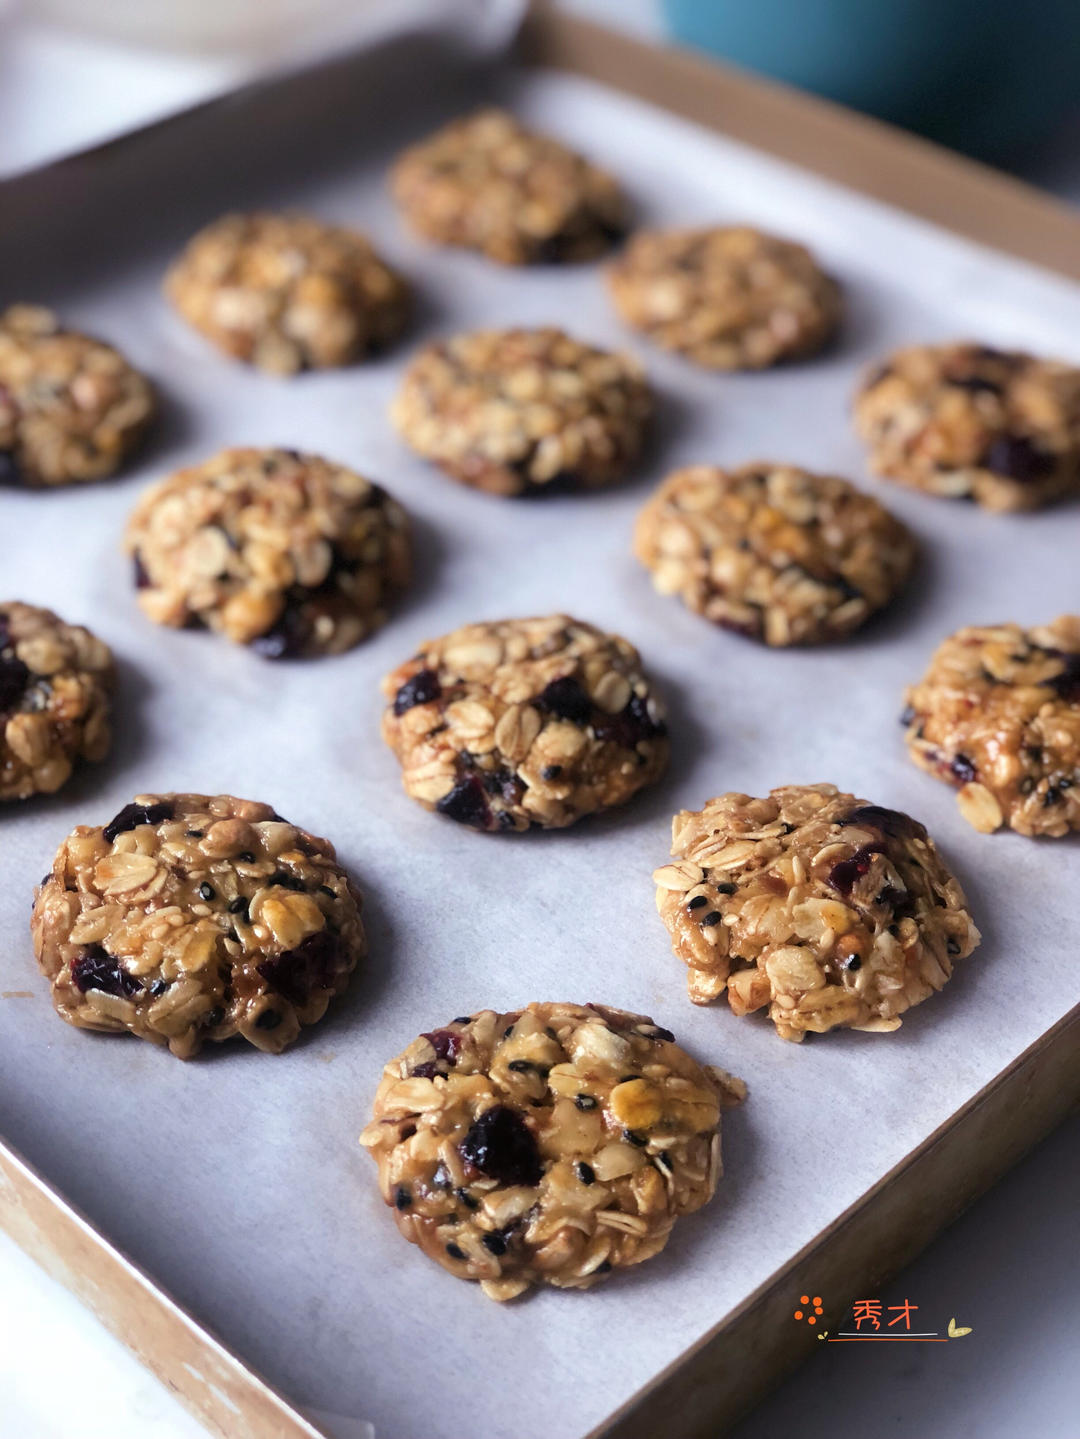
{"points": [[486, 183], [998, 715], [524, 411], [288, 553], [826, 909], [288, 293], [773, 552], [549, 1145], [190, 918], [71, 407], [965, 421], [56, 683], [524, 722], [728, 298]]}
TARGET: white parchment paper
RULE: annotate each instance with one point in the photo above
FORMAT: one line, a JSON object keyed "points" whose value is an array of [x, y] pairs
{"points": [[236, 1179]]}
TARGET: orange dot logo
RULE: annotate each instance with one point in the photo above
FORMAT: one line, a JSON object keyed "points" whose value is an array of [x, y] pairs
{"points": [[809, 1308]]}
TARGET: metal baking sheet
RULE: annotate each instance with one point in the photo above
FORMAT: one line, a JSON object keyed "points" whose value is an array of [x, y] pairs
{"points": [[236, 1179]]}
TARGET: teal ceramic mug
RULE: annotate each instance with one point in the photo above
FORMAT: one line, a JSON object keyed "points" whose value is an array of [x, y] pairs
{"points": [[987, 76]]}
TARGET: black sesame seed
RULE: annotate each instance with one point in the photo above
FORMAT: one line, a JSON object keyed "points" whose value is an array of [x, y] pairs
{"points": [[325, 889], [467, 1199], [638, 1140], [551, 771], [402, 1197], [246, 856], [713, 917], [194, 833], [953, 947], [268, 1019], [493, 1243], [214, 1018], [585, 1101], [206, 890], [508, 1031], [853, 962], [455, 1251], [462, 1019], [663, 1163], [585, 1172], [726, 888], [697, 901], [238, 905], [521, 1066], [158, 987], [660, 1033]]}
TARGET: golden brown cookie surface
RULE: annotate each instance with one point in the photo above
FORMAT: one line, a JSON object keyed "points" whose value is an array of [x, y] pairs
{"points": [[772, 551], [190, 918], [289, 553], [729, 297], [506, 725], [997, 714], [549, 1145], [487, 183], [825, 909], [963, 420]]}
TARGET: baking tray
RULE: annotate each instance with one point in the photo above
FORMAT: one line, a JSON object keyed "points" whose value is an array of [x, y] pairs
{"points": [[227, 1196]]}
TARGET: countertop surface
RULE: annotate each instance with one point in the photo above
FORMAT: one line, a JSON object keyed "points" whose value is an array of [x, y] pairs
{"points": [[1006, 1269]]}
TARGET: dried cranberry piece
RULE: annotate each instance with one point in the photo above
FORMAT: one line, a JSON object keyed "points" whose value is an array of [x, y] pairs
{"points": [[500, 1145], [10, 473], [14, 675], [420, 690], [890, 821], [287, 638], [95, 968], [963, 769], [446, 1043], [631, 725], [565, 699], [1067, 684], [133, 815], [467, 803], [1018, 458], [844, 876], [313, 964]]}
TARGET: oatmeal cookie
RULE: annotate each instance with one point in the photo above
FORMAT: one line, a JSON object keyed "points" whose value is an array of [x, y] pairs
{"points": [[288, 553], [288, 293], [71, 408], [830, 910], [961, 420], [524, 722], [728, 298], [189, 918], [998, 715], [55, 687], [486, 183], [523, 411], [549, 1145], [773, 552]]}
